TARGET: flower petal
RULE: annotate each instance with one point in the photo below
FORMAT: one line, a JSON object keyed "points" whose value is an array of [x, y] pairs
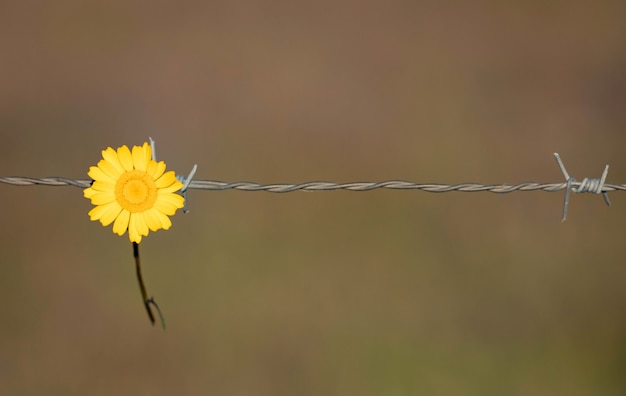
{"points": [[166, 180], [166, 223], [174, 199], [132, 232], [108, 168], [89, 192], [102, 186], [140, 223], [111, 156], [121, 222], [169, 203], [97, 174], [141, 156], [133, 229], [176, 186], [105, 213], [151, 168], [157, 169], [102, 198], [126, 159], [152, 219], [148, 149]]}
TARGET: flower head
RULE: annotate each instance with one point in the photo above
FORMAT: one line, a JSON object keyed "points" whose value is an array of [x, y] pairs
{"points": [[133, 191]]}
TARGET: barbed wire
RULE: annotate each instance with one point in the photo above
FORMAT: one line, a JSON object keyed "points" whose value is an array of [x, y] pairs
{"points": [[593, 185], [214, 185]]}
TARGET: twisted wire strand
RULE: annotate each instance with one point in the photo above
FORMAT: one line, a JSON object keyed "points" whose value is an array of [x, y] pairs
{"points": [[330, 186]]}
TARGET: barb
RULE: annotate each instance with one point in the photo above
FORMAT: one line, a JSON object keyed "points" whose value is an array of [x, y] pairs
{"points": [[595, 186], [186, 182]]}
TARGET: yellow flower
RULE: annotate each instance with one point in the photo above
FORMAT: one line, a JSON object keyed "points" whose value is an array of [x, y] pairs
{"points": [[134, 191]]}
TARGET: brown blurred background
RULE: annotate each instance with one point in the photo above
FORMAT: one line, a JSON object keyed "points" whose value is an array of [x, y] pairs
{"points": [[331, 293]]}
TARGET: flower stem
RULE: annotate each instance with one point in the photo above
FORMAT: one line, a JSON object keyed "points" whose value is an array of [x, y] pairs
{"points": [[144, 294]]}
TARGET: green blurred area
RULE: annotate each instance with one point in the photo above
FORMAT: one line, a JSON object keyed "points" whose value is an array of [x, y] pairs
{"points": [[330, 293]]}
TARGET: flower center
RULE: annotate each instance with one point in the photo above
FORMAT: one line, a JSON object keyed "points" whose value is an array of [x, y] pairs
{"points": [[136, 191]]}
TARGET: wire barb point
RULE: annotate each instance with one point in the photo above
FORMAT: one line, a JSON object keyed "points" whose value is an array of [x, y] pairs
{"points": [[153, 147], [186, 182], [591, 185]]}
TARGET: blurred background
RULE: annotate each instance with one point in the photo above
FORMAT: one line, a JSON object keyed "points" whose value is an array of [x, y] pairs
{"points": [[329, 293]]}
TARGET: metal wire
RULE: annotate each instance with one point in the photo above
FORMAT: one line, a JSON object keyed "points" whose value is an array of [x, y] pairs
{"points": [[214, 185], [589, 185]]}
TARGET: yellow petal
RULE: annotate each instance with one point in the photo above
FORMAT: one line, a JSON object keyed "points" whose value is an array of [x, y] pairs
{"points": [[96, 212], [165, 207], [111, 214], [126, 159], [102, 198], [89, 192], [108, 168], [97, 174], [166, 223], [140, 223], [105, 213], [121, 222], [102, 186], [158, 170], [140, 157], [152, 219], [148, 150], [174, 199], [168, 206], [134, 232], [166, 180], [151, 168], [171, 189], [111, 156]]}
